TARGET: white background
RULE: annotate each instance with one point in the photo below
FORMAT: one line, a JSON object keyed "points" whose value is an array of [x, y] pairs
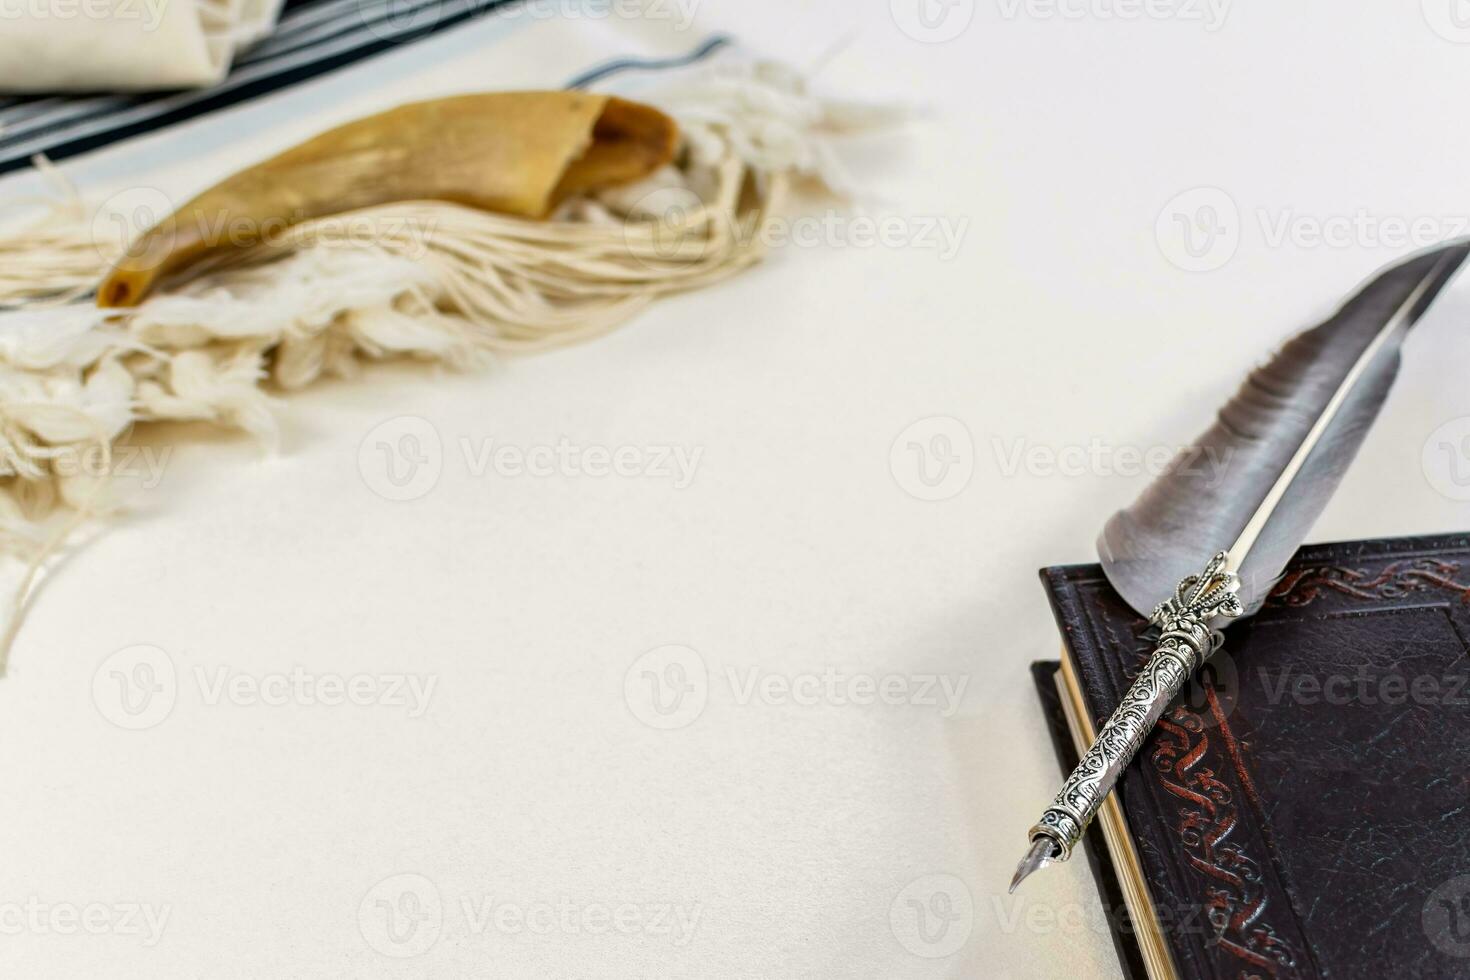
{"points": [[802, 839]]}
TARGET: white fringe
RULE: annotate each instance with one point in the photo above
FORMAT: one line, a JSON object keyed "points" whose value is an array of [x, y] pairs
{"points": [[420, 279]]}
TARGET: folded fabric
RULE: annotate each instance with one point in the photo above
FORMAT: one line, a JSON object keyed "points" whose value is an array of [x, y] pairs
{"points": [[311, 38], [110, 45]]}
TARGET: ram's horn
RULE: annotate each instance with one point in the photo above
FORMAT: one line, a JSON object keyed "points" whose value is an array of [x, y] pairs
{"points": [[513, 152]]}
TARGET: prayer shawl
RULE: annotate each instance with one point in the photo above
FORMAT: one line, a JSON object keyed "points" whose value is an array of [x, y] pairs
{"points": [[424, 280]]}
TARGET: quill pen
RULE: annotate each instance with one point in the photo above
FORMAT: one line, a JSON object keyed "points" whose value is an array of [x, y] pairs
{"points": [[1284, 440]]}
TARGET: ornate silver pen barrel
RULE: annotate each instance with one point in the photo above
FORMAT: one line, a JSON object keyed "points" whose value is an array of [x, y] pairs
{"points": [[1187, 638]]}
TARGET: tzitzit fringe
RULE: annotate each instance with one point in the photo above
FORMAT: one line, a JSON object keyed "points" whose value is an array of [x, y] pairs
{"points": [[420, 279]]}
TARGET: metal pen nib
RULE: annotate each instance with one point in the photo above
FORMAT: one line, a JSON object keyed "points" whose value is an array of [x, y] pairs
{"points": [[1043, 849]]}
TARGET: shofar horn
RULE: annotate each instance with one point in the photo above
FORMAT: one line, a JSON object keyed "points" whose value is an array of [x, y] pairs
{"points": [[513, 152]]}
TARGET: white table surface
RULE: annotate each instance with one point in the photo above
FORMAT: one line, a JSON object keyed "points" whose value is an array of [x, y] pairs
{"points": [[544, 827]]}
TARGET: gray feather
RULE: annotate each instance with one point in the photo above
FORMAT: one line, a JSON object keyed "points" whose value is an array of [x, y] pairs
{"points": [[1225, 483]]}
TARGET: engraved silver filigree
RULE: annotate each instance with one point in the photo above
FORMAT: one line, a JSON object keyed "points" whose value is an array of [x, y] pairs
{"points": [[1187, 637]]}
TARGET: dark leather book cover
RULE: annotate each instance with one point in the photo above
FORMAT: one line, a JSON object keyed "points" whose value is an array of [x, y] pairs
{"points": [[1304, 809]]}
